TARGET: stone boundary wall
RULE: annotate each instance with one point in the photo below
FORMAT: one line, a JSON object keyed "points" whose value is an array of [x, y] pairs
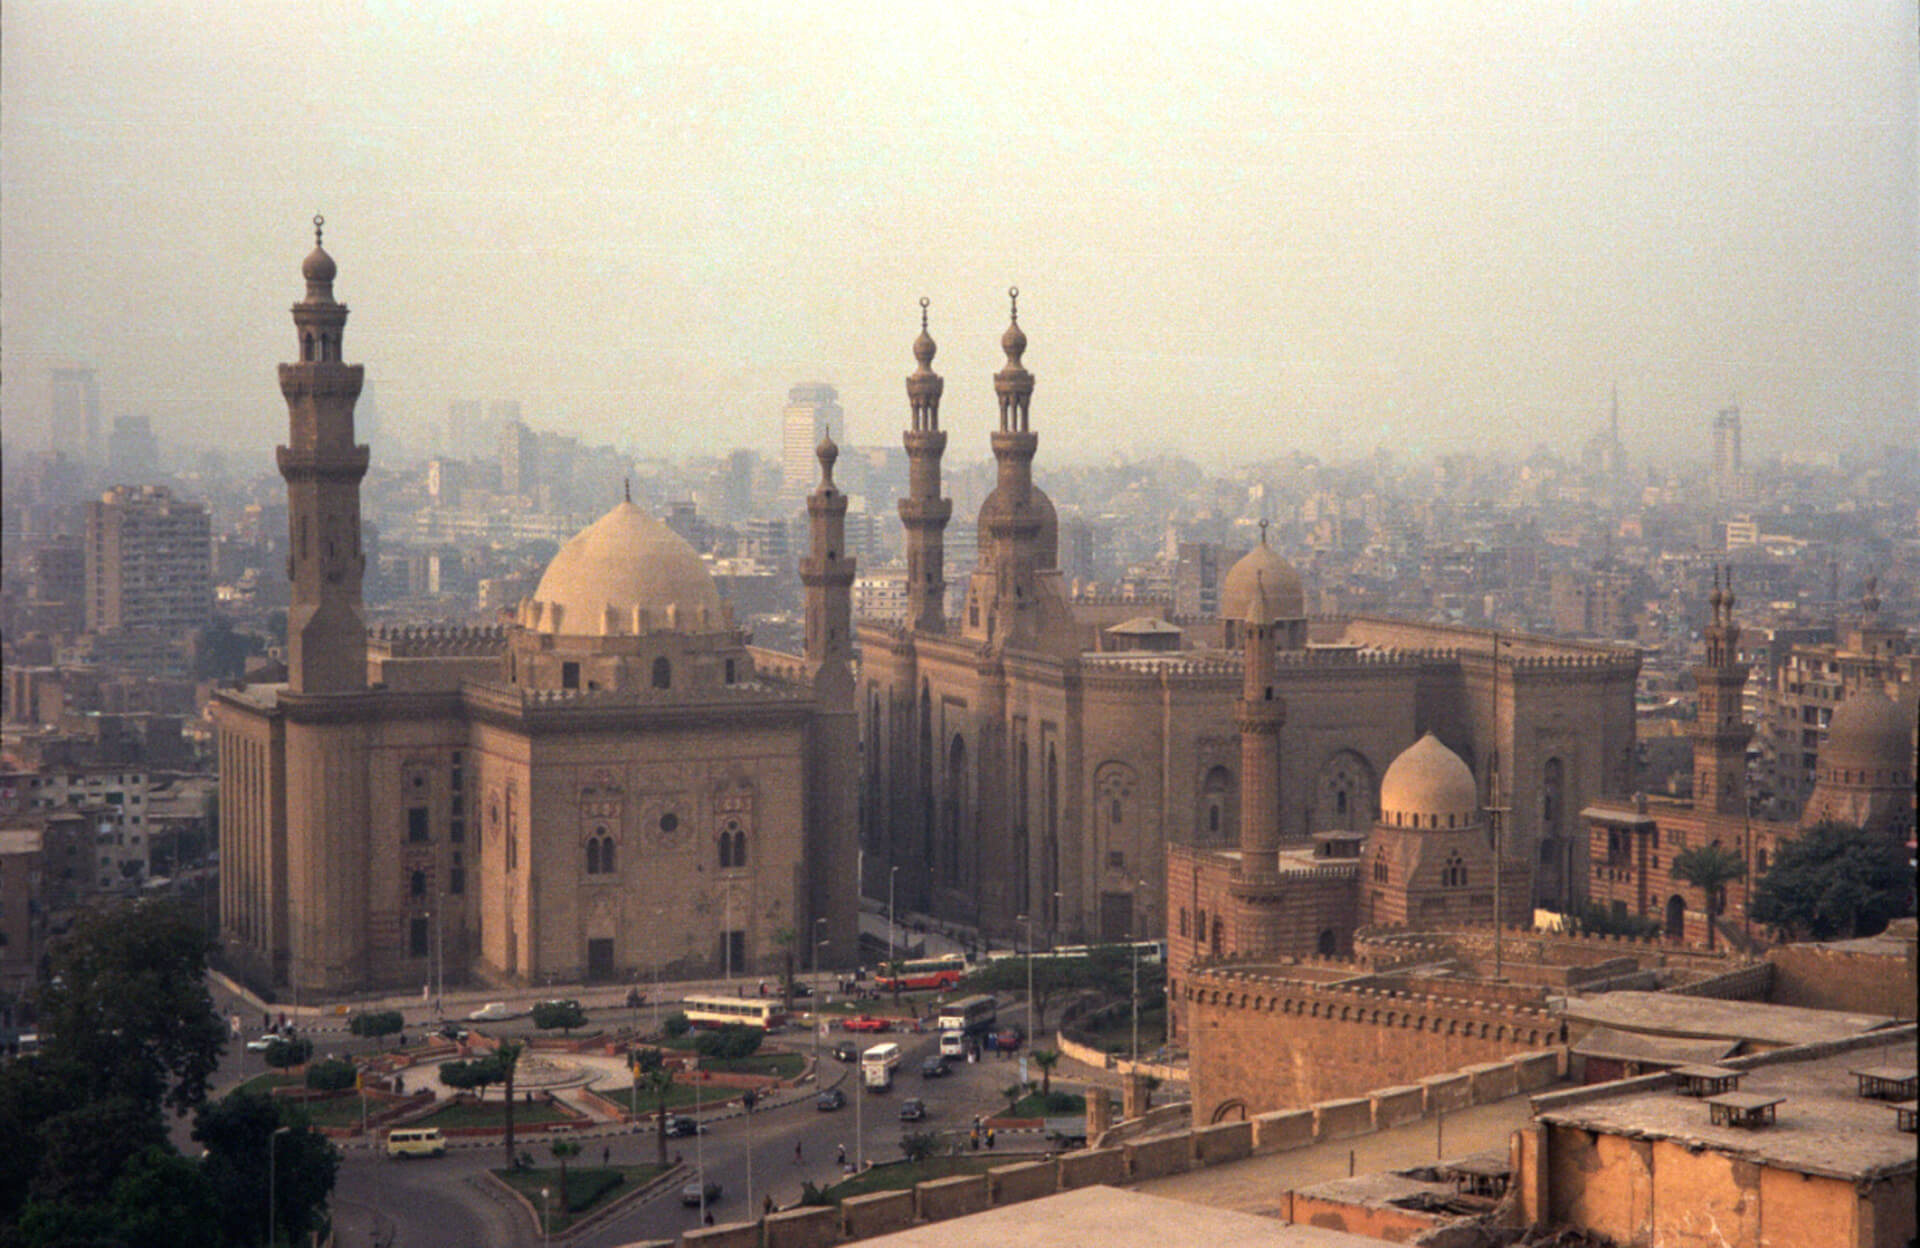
{"points": [[1749, 983], [1090, 1056], [1822, 977], [1169, 1152]]}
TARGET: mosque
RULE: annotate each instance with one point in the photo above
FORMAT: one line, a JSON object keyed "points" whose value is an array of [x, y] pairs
{"points": [[615, 784]]}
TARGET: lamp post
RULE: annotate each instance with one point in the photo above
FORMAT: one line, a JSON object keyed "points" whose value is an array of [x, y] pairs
{"points": [[439, 954], [1032, 1027], [891, 926], [273, 1142], [546, 1215], [819, 1020]]}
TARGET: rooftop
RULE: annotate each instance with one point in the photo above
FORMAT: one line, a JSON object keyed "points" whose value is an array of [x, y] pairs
{"points": [[1821, 1126], [1116, 1218], [1708, 1018]]}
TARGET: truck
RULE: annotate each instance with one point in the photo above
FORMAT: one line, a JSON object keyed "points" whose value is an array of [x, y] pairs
{"points": [[877, 1066]]}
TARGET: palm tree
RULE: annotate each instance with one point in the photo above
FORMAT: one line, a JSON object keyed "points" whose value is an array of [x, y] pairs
{"points": [[508, 1056], [1045, 1059], [563, 1149], [653, 1077], [1710, 869]]}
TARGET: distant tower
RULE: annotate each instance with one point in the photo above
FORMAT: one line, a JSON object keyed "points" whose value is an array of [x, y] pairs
{"points": [[923, 513], [812, 411], [1261, 714], [1720, 735], [1726, 452], [833, 837], [75, 415], [322, 465]]}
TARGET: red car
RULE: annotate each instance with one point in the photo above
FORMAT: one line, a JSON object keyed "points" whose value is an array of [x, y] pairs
{"points": [[867, 1022]]}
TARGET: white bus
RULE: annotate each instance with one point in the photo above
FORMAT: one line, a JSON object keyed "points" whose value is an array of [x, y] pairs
{"points": [[876, 1066], [768, 1013], [969, 1015]]}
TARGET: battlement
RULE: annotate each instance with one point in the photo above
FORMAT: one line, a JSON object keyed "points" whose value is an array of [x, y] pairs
{"points": [[1261, 984], [437, 641], [514, 699]]}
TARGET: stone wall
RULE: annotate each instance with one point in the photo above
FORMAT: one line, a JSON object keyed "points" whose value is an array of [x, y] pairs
{"points": [[1824, 977]]}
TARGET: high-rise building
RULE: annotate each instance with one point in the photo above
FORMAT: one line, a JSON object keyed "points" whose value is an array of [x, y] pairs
{"points": [[1726, 453], [812, 411], [132, 451], [149, 561], [74, 419]]}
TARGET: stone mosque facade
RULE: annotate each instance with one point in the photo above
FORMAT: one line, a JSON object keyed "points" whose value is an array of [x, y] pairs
{"points": [[1039, 762], [615, 784]]}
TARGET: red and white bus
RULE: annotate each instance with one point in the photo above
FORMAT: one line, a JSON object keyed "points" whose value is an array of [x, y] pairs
{"points": [[942, 973]]}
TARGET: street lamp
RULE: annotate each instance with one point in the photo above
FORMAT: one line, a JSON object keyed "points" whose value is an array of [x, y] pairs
{"points": [[891, 925], [546, 1215], [1032, 1026], [272, 1143], [819, 1019]]}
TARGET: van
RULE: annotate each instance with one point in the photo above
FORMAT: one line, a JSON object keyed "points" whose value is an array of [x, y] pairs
{"points": [[953, 1044], [416, 1142]]}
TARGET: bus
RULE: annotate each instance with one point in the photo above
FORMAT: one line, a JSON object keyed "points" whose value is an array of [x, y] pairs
{"points": [[769, 1014], [969, 1015], [939, 973], [877, 1064], [1148, 951]]}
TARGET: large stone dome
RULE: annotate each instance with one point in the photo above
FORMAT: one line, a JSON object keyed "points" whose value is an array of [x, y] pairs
{"points": [[1429, 786], [1263, 567], [626, 573], [1868, 730]]}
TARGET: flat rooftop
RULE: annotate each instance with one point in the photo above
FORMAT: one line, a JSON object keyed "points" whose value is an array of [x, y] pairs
{"points": [[1116, 1218], [1822, 1125], [1708, 1018]]}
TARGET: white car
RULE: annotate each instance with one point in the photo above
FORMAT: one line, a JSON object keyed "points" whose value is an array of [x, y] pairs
{"points": [[491, 1012], [260, 1044]]}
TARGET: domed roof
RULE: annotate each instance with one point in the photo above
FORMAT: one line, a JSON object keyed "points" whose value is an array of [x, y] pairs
{"points": [[1428, 780], [318, 266], [1262, 567], [1869, 729], [625, 560]]}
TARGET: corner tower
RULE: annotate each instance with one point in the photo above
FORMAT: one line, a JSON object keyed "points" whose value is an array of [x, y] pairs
{"points": [[1720, 735], [323, 467], [923, 512]]}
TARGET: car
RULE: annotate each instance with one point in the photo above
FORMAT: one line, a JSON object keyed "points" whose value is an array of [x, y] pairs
{"points": [[830, 1100], [867, 1022], [452, 1031], [913, 1109], [846, 1051], [1009, 1039], [801, 989], [693, 1194], [260, 1044], [491, 1012], [680, 1124], [934, 1068]]}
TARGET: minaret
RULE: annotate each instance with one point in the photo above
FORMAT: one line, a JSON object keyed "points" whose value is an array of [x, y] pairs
{"points": [[827, 572], [1010, 523], [1720, 735], [923, 512], [326, 633], [1260, 715]]}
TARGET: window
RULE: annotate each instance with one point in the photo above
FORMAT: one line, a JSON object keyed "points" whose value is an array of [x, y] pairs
{"points": [[729, 676], [733, 847], [1454, 874], [1380, 867], [457, 831], [1183, 920], [569, 675], [417, 885], [600, 853], [662, 673], [1760, 860], [1117, 859], [457, 880], [1116, 810], [418, 945], [417, 825], [1219, 935]]}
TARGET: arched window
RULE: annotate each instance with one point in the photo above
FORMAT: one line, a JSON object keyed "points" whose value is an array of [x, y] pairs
{"points": [[733, 847], [1380, 867], [729, 676], [606, 856], [1454, 874], [1184, 927], [417, 886], [662, 673]]}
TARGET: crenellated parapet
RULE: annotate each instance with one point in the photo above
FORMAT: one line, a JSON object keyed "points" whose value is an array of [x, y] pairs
{"points": [[1514, 1014], [434, 641]]}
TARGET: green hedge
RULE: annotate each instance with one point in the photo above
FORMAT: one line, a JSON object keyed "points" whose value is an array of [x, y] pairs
{"points": [[586, 1187]]}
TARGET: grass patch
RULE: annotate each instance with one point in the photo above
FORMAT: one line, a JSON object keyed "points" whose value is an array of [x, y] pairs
{"points": [[493, 1114], [775, 1064], [587, 1187], [1054, 1105], [1117, 1036], [265, 1084], [906, 1174], [338, 1111]]}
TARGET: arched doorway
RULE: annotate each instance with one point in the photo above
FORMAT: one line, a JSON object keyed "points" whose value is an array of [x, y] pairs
{"points": [[1676, 918], [1345, 794]]}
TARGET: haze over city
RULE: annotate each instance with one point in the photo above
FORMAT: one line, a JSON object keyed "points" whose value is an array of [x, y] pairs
{"points": [[1238, 232]]}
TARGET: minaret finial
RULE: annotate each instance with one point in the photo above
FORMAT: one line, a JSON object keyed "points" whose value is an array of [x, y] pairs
{"points": [[924, 301], [626, 487], [1013, 297], [318, 222], [1263, 531]]}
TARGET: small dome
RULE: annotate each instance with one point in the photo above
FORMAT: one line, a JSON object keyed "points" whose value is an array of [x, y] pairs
{"points": [[923, 348], [1429, 786], [1869, 730], [1014, 341], [627, 559], [1262, 567], [318, 266]]}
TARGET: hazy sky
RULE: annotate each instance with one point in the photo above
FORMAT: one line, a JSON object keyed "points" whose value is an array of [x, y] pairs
{"points": [[1238, 231]]}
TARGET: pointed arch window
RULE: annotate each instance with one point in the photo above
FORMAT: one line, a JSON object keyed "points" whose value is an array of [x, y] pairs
{"points": [[1380, 867], [1454, 874], [733, 847]]}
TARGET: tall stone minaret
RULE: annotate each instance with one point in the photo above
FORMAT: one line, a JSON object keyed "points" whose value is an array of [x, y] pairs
{"points": [[833, 795], [1720, 735], [1003, 590], [923, 511], [326, 632], [1260, 715]]}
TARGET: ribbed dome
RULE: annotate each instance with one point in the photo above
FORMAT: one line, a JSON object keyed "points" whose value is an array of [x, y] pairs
{"points": [[625, 560], [1868, 730], [1429, 786], [1264, 567]]}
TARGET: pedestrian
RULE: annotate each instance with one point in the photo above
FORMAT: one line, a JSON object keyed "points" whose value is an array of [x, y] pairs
{"points": [[842, 1158], [989, 1137], [709, 1218], [766, 1206], [797, 1158], [973, 1140], [606, 1154]]}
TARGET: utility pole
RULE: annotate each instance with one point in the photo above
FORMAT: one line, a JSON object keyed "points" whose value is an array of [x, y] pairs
{"points": [[1496, 817]]}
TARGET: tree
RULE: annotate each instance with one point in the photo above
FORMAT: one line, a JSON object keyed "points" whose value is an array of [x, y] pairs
{"points": [[565, 1015], [1013, 1092], [336, 1074], [784, 937], [564, 1148], [1709, 868], [651, 1073], [676, 1024], [1595, 919], [507, 1055], [1835, 881], [126, 1012], [729, 1041], [1046, 1060], [377, 1024], [239, 1135], [919, 1145], [286, 1052], [1051, 977]]}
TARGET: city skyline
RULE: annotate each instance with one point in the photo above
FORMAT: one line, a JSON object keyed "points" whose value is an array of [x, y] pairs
{"points": [[1317, 231]]}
